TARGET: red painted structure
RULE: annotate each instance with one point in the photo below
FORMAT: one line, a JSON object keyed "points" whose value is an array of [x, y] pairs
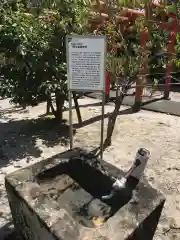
{"points": [[174, 28], [132, 15]]}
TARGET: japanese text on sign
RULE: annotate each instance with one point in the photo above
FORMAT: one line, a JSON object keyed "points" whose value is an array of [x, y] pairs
{"points": [[86, 63]]}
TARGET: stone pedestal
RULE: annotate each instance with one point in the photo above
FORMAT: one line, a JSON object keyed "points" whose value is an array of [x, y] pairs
{"points": [[60, 197]]}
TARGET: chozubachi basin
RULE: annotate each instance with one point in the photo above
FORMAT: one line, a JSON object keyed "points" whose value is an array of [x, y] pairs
{"points": [[61, 198]]}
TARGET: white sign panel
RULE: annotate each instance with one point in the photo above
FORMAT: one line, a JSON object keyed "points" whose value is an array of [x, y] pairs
{"points": [[86, 63]]}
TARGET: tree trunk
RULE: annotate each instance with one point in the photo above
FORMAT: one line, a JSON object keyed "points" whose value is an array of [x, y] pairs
{"points": [[76, 104], [48, 106], [59, 106], [113, 116]]}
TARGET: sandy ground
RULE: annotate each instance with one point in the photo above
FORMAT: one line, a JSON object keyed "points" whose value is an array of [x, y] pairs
{"points": [[24, 141]]}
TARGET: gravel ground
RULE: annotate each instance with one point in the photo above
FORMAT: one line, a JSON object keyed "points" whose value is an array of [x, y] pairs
{"points": [[24, 141]]}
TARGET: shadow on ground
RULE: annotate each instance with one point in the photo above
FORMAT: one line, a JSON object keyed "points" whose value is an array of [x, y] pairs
{"points": [[7, 232], [80, 106], [4, 112], [99, 117], [19, 138]]}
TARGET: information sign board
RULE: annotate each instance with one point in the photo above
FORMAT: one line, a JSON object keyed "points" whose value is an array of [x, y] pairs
{"points": [[86, 63]]}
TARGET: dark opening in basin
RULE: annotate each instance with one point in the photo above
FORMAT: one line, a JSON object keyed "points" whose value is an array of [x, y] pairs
{"points": [[78, 187]]}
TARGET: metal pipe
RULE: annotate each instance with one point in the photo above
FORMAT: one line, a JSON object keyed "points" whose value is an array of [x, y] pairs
{"points": [[135, 171], [70, 120]]}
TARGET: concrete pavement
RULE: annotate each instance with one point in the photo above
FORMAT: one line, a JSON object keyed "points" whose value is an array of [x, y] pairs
{"points": [[156, 105]]}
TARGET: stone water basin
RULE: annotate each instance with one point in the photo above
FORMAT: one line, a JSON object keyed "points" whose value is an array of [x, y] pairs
{"points": [[60, 198], [77, 186]]}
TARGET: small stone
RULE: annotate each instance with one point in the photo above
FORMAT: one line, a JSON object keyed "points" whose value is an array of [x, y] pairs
{"points": [[17, 166], [28, 159], [175, 223], [151, 179], [165, 124]]}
